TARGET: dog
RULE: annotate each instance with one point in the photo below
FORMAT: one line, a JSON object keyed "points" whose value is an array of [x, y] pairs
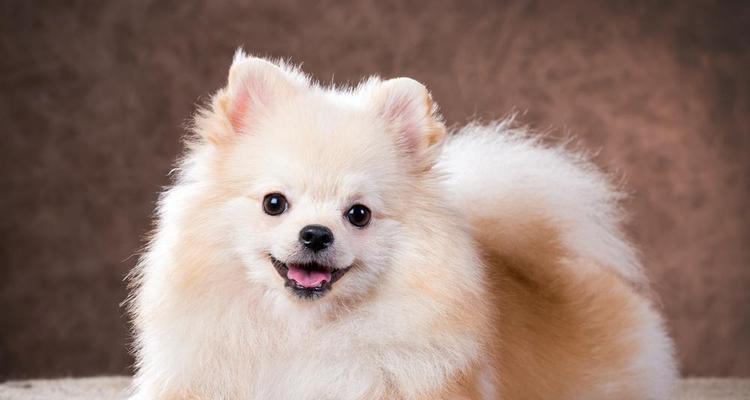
{"points": [[337, 243]]}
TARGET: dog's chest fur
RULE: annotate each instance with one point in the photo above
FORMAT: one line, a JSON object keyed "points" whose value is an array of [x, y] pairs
{"points": [[367, 354]]}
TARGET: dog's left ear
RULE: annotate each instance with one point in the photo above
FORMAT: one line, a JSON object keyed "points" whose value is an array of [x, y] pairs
{"points": [[407, 109]]}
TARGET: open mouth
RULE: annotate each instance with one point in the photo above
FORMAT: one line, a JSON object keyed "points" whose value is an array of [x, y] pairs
{"points": [[310, 280]]}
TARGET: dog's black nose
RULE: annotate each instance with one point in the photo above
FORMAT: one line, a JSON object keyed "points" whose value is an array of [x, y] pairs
{"points": [[316, 237]]}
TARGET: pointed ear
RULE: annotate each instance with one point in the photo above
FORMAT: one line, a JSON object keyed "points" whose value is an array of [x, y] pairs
{"points": [[407, 109], [254, 86]]}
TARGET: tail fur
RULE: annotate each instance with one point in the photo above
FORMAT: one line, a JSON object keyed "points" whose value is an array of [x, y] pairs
{"points": [[507, 182], [567, 282]]}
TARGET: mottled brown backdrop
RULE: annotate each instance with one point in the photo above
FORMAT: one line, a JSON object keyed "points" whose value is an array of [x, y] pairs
{"points": [[94, 95]]}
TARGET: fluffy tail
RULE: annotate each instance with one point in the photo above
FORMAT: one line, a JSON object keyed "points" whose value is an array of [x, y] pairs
{"points": [[514, 188]]}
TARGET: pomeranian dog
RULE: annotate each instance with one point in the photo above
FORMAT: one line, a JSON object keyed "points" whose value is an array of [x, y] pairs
{"points": [[337, 243]]}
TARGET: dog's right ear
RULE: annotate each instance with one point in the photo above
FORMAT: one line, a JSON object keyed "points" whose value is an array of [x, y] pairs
{"points": [[254, 87]]}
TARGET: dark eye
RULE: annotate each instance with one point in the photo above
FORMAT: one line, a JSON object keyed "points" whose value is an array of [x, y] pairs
{"points": [[274, 204], [358, 215]]}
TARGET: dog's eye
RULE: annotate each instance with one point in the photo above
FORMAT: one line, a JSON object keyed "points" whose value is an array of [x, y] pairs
{"points": [[358, 215], [274, 204]]}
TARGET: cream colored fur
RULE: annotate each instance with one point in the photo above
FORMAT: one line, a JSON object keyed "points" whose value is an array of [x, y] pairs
{"points": [[419, 314]]}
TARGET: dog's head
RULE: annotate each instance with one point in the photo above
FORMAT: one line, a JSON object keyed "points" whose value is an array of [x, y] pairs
{"points": [[316, 183]]}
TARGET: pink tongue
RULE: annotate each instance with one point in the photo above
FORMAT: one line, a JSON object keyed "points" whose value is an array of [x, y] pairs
{"points": [[307, 278]]}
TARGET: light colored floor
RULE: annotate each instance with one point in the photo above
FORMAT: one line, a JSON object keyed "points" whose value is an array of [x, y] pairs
{"points": [[114, 388]]}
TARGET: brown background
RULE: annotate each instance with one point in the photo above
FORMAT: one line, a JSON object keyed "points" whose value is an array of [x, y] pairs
{"points": [[94, 96]]}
